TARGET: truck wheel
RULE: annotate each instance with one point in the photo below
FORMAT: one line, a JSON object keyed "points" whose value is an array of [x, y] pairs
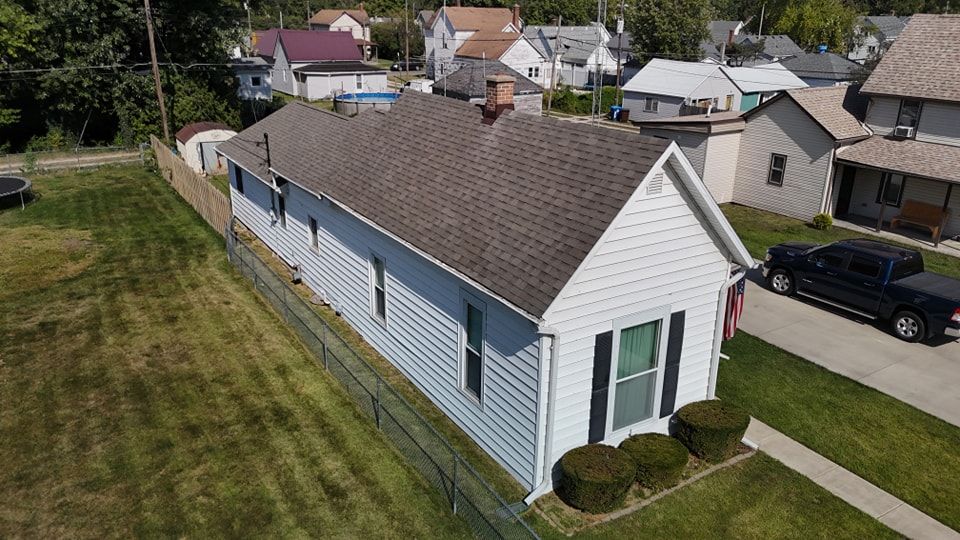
{"points": [[908, 326], [781, 282]]}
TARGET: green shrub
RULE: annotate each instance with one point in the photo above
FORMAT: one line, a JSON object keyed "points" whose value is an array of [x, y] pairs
{"points": [[711, 429], [596, 478], [660, 459], [822, 221]]}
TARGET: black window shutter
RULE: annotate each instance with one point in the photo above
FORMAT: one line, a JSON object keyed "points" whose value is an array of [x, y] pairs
{"points": [[671, 370], [602, 350]]}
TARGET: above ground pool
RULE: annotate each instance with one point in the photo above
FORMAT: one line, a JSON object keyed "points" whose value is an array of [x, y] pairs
{"points": [[351, 104], [14, 191]]}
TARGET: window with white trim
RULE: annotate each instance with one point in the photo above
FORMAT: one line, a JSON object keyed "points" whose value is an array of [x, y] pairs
{"points": [[634, 380], [359, 81], [651, 104], [472, 325], [378, 288], [891, 189], [778, 167]]}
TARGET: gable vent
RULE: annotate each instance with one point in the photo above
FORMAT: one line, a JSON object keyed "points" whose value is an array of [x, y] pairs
{"points": [[656, 184]]}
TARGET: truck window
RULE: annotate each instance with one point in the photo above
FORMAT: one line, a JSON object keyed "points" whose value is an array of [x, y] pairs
{"points": [[832, 260], [906, 267], [864, 266]]}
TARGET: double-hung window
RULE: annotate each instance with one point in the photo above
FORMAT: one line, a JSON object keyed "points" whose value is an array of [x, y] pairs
{"points": [[891, 189], [314, 237], [282, 210], [378, 288], [651, 104], [639, 350], [472, 346], [909, 115], [359, 81], [778, 166]]}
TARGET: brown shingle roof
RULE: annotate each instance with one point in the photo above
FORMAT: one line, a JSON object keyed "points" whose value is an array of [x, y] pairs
{"points": [[472, 18], [189, 130], [924, 61], [838, 109], [489, 45], [514, 206], [908, 157], [327, 16]]}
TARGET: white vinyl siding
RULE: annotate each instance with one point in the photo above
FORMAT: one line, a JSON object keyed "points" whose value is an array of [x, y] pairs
{"points": [[939, 123], [657, 253], [523, 57], [783, 128], [422, 338], [720, 164]]}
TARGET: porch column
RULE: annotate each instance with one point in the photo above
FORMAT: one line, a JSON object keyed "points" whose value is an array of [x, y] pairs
{"points": [[884, 181], [946, 205]]}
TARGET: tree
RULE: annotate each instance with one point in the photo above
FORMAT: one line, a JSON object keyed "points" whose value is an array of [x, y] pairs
{"points": [[745, 51], [672, 29], [17, 36], [574, 12], [813, 22]]}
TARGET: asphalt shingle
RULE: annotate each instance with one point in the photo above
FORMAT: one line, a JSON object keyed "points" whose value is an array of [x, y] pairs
{"points": [[515, 206]]}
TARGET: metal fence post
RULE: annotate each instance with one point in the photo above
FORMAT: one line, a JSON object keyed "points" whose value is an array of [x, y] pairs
{"points": [[376, 409], [456, 462], [324, 327]]}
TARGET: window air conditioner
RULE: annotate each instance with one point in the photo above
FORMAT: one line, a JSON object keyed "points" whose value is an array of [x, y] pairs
{"points": [[903, 131]]}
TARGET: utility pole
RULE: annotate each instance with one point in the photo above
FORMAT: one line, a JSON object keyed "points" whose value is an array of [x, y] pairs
{"points": [[156, 72], [281, 20], [616, 96], [246, 7], [553, 66], [406, 36], [763, 9]]}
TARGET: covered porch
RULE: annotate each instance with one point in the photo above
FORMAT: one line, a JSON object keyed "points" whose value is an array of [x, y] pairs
{"points": [[903, 189]]}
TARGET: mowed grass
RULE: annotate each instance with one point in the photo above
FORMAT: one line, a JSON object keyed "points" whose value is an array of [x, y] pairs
{"points": [[899, 448], [758, 498], [147, 391], [759, 230]]}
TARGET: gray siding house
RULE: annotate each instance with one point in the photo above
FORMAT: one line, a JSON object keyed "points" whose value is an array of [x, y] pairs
{"points": [[665, 88], [497, 258]]}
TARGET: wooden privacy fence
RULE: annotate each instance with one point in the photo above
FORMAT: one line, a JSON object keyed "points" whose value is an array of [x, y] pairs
{"points": [[203, 196]]}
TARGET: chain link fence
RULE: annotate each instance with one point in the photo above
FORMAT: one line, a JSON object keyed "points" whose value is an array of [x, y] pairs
{"points": [[469, 496]]}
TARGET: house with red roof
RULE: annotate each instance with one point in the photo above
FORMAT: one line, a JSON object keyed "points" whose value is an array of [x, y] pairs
{"points": [[317, 65]]}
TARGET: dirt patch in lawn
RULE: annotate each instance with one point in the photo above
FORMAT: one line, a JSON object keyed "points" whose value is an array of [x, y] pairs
{"points": [[35, 257]]}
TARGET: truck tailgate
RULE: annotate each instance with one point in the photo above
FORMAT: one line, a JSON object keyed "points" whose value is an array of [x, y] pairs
{"points": [[933, 284]]}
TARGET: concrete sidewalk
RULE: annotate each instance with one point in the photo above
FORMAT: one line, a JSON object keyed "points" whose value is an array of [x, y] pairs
{"points": [[856, 491], [924, 375]]}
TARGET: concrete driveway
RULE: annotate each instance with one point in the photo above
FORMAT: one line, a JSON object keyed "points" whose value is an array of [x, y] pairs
{"points": [[925, 375]]}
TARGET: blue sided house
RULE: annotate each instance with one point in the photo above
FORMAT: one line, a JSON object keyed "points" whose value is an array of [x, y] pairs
{"points": [[546, 284]]}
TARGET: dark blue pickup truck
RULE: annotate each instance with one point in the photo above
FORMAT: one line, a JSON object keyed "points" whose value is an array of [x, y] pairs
{"points": [[870, 278]]}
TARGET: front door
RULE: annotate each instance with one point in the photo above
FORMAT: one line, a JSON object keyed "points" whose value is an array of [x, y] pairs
{"points": [[846, 190]]}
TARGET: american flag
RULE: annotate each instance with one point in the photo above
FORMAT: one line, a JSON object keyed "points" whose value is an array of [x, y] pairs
{"points": [[734, 308]]}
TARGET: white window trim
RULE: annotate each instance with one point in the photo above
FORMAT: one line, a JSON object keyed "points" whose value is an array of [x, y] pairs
{"points": [[663, 315], [313, 235], [373, 284], [466, 297], [654, 106]]}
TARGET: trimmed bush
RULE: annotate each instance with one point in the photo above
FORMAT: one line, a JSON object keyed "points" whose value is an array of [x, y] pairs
{"points": [[711, 429], [596, 478], [660, 459], [822, 221]]}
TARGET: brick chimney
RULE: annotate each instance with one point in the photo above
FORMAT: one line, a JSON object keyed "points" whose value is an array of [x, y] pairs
{"points": [[499, 97], [516, 17]]}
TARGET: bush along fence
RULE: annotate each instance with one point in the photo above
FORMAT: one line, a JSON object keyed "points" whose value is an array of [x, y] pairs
{"points": [[203, 196], [469, 496]]}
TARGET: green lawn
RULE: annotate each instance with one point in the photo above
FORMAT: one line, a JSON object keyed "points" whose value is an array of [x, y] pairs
{"points": [[903, 450], [221, 182], [758, 498], [759, 230], [146, 390]]}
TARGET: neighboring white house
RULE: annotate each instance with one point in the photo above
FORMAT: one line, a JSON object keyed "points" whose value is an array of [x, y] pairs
{"points": [[874, 35], [197, 143], [291, 50], [354, 21], [253, 78], [511, 49], [577, 50], [500, 287], [327, 79], [761, 83], [665, 88], [450, 27]]}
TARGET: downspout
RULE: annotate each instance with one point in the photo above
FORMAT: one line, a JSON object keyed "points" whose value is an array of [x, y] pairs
{"points": [[547, 480], [718, 332]]}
